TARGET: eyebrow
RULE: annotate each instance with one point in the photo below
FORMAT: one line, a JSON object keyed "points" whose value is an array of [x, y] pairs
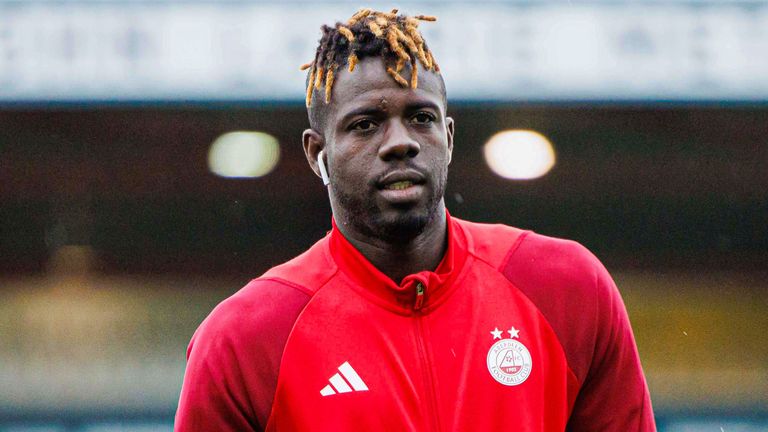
{"points": [[375, 110], [363, 111], [422, 104]]}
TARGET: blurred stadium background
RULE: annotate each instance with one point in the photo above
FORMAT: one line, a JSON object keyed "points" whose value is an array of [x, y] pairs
{"points": [[150, 165]]}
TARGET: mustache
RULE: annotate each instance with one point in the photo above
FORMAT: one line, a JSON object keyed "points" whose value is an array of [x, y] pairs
{"points": [[407, 171]]}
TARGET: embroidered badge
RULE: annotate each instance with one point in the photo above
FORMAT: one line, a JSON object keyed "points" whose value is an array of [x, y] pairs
{"points": [[509, 361]]}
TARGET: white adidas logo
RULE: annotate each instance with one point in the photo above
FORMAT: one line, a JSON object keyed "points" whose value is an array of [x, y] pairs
{"points": [[342, 385]]}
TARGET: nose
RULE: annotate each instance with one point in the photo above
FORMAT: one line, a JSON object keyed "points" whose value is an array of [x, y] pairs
{"points": [[399, 144]]}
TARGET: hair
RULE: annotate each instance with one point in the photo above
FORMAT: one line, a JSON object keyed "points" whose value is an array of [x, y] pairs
{"points": [[392, 37]]}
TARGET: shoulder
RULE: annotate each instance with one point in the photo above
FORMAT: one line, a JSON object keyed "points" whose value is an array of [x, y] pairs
{"points": [[572, 290], [256, 314], [528, 258], [554, 262], [490, 243], [504, 245], [308, 271], [267, 307], [566, 283], [234, 357]]}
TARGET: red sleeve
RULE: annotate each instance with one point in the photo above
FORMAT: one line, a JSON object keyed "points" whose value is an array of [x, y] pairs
{"points": [[580, 301], [614, 395], [234, 357]]}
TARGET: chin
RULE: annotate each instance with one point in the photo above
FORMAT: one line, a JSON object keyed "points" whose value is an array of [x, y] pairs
{"points": [[401, 227], [395, 224]]}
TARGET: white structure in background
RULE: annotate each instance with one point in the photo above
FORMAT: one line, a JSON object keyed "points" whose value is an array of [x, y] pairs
{"points": [[510, 51]]}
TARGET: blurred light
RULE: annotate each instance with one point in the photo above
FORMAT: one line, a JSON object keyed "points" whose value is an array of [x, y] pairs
{"points": [[519, 154], [243, 154]]}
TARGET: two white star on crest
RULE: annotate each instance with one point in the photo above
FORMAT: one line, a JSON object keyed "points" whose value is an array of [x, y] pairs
{"points": [[513, 333]]}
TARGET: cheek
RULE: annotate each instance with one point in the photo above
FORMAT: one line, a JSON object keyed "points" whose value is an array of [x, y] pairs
{"points": [[356, 154], [349, 171], [441, 154]]}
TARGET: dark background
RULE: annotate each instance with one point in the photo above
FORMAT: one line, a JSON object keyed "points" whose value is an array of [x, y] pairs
{"points": [[673, 187], [116, 241]]}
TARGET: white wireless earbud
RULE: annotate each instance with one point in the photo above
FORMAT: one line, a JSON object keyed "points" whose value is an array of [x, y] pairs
{"points": [[323, 172]]}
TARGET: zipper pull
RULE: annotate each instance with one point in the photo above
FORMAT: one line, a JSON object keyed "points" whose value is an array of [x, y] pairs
{"points": [[419, 296]]}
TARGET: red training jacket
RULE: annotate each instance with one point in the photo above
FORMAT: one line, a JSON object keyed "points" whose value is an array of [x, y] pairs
{"points": [[513, 331]]}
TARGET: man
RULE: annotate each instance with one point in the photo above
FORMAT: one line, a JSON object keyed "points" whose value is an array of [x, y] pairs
{"points": [[403, 317]]}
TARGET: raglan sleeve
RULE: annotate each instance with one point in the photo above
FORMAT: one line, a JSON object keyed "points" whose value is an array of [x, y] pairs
{"points": [[214, 395], [233, 359], [614, 395]]}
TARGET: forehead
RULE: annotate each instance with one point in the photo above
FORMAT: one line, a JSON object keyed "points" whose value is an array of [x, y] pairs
{"points": [[369, 83]]}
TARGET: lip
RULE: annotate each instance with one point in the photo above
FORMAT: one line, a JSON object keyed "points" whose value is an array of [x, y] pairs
{"points": [[408, 195], [410, 175]]}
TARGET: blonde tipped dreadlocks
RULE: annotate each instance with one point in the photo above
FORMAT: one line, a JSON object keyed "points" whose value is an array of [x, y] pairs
{"points": [[329, 84], [370, 33]]}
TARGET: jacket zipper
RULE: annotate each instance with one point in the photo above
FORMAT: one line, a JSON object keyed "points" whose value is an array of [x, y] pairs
{"points": [[428, 372], [419, 296]]}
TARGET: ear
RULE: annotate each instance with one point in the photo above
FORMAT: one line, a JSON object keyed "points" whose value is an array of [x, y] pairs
{"points": [[449, 136], [313, 143]]}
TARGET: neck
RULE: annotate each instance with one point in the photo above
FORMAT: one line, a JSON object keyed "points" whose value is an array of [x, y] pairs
{"points": [[398, 260]]}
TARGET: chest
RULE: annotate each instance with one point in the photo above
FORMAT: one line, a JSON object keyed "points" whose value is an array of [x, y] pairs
{"points": [[482, 359]]}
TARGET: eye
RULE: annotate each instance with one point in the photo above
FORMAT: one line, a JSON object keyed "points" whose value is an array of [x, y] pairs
{"points": [[423, 117], [363, 125]]}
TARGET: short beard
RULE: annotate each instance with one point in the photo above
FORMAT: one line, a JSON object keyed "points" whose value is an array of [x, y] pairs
{"points": [[405, 227], [366, 217]]}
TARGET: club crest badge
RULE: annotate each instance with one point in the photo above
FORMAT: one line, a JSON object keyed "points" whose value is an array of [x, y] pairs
{"points": [[509, 361]]}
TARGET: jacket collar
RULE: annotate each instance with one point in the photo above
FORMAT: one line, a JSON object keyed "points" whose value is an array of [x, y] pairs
{"points": [[403, 298]]}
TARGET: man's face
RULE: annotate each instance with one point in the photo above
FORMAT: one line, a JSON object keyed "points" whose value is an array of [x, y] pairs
{"points": [[387, 151]]}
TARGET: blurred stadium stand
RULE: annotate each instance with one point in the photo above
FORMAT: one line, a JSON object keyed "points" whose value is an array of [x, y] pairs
{"points": [[116, 239]]}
